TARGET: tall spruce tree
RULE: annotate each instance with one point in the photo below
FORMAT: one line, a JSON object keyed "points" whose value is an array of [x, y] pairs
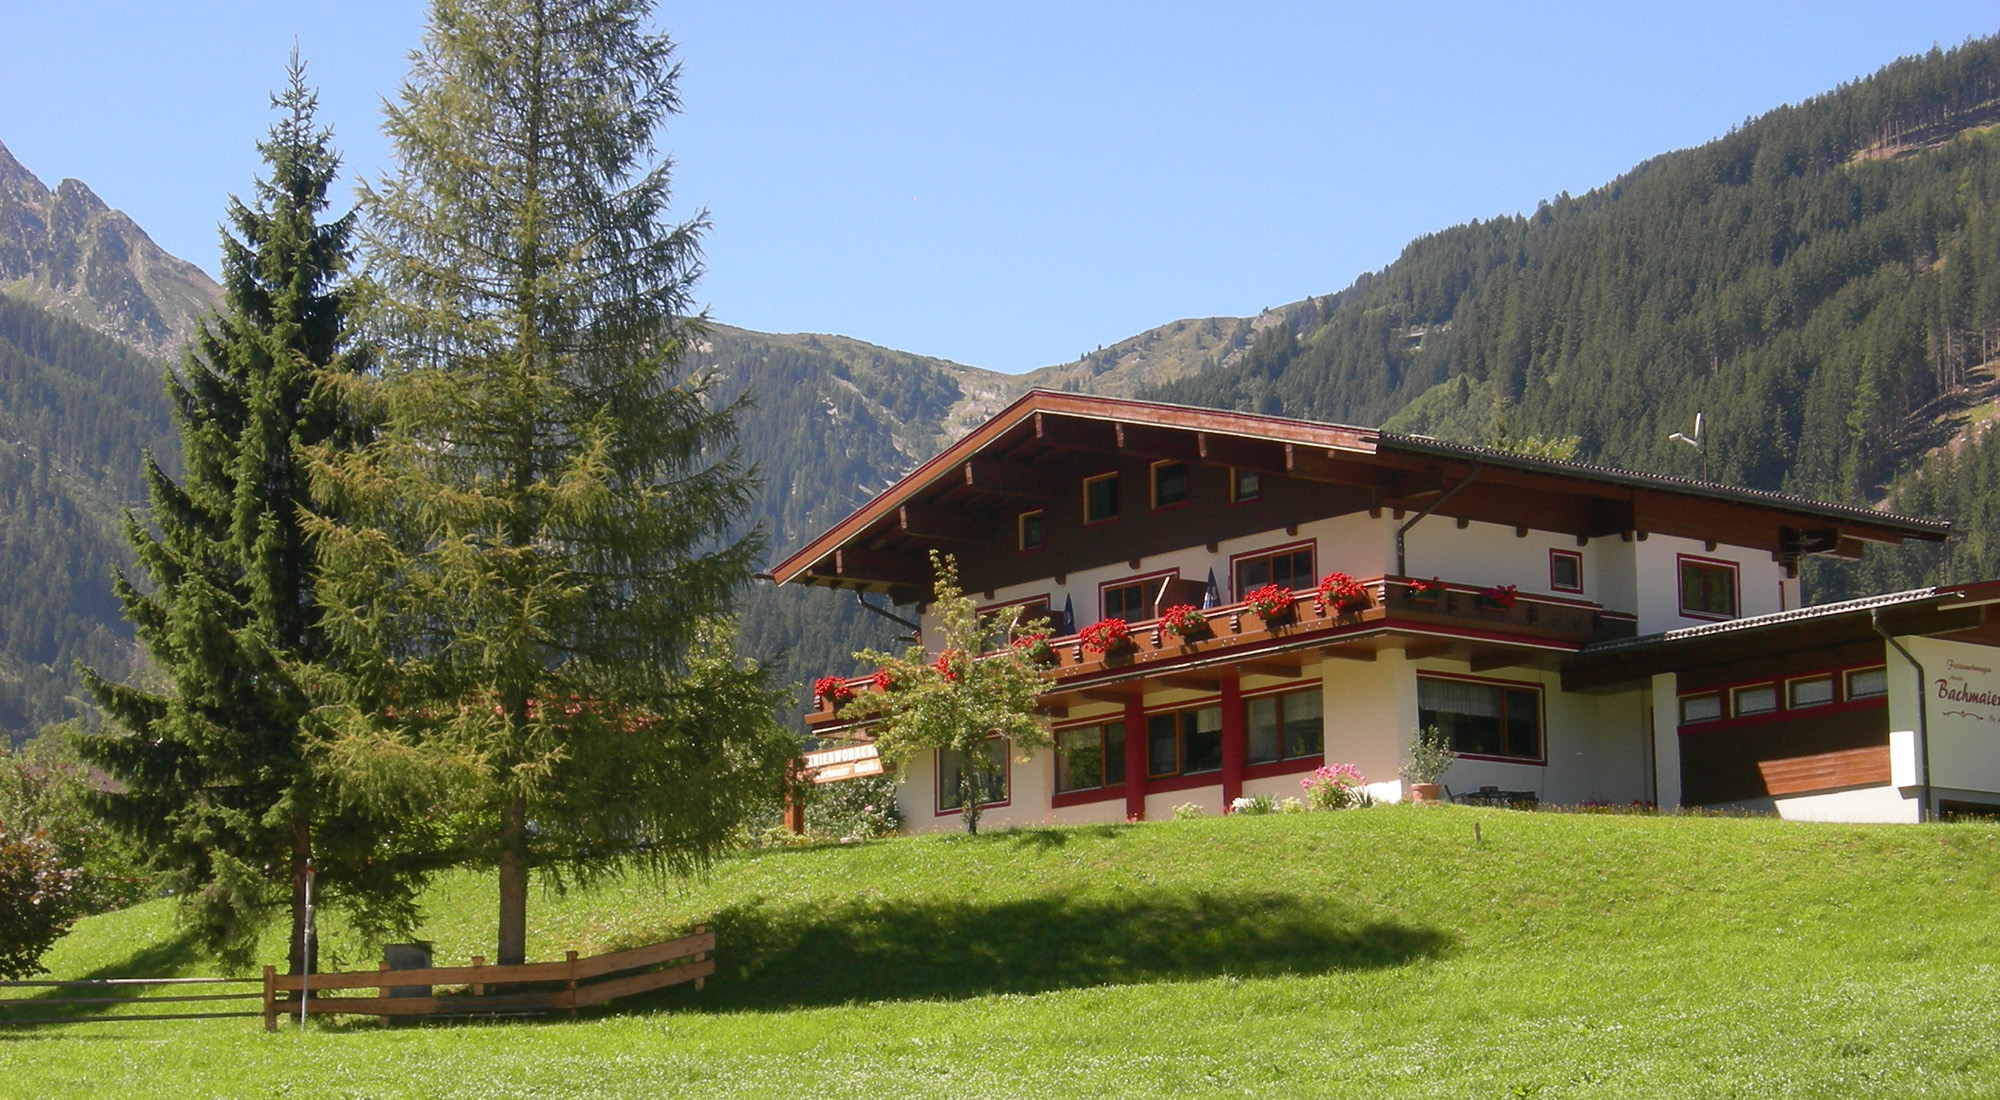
{"points": [[219, 781], [543, 582]]}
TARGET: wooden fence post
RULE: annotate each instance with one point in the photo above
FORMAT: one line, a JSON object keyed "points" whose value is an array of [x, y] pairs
{"points": [[479, 988], [270, 998], [383, 991], [570, 957], [700, 955]]}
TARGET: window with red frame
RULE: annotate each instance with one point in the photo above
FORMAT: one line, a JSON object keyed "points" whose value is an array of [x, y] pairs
{"points": [[1015, 618], [1100, 498], [951, 766], [1565, 571], [1090, 757], [1291, 569], [1483, 719], [1284, 727], [1184, 742], [1708, 589], [1170, 484]]}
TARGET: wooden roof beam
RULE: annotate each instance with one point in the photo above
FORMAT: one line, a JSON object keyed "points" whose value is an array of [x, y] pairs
{"points": [[1487, 660], [1104, 695], [1162, 443], [1318, 464], [1271, 666], [945, 525], [1348, 652], [1260, 455], [859, 563], [1075, 433], [1190, 682], [1010, 479]]}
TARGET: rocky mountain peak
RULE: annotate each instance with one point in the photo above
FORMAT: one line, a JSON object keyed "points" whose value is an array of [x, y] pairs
{"points": [[70, 252]]}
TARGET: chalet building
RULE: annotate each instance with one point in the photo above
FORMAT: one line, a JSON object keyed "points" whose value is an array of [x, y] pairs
{"points": [[1579, 633]]}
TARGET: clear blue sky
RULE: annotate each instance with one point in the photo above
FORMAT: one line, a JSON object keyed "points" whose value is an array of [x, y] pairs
{"points": [[1006, 185]]}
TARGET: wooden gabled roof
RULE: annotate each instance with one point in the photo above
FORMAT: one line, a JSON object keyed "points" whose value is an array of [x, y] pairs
{"points": [[1030, 450]]}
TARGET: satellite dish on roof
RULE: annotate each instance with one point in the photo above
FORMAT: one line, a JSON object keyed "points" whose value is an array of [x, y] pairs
{"points": [[1695, 441]]}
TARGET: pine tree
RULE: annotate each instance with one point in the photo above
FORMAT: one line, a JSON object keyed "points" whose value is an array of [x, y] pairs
{"points": [[220, 785], [543, 584]]}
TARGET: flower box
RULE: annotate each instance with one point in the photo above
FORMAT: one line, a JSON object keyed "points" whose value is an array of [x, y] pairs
{"points": [[1106, 636], [1270, 603], [1185, 621]]}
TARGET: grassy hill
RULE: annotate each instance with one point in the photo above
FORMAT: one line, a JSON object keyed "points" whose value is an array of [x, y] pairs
{"points": [[1385, 952]]}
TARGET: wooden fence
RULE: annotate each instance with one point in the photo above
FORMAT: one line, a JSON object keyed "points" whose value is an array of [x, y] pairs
{"points": [[123, 991], [530, 988]]}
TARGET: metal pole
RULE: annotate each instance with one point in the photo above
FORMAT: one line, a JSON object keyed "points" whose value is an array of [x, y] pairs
{"points": [[305, 949]]}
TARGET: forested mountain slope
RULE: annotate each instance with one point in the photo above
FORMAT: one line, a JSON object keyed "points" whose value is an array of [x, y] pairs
{"points": [[1823, 282], [77, 412]]}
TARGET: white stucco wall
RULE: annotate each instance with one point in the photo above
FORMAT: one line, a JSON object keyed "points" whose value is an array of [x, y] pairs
{"points": [[1961, 697], [1762, 587]]}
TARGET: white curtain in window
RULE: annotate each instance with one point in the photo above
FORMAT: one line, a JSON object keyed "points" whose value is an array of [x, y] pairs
{"points": [[1458, 697]]}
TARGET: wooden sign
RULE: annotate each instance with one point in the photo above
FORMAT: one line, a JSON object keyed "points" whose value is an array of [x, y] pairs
{"points": [[853, 762]]}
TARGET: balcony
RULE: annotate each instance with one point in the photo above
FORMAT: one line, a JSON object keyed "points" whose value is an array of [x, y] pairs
{"points": [[1470, 617]]}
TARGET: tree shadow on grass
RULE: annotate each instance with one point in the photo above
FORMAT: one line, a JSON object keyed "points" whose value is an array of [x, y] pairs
{"points": [[164, 957], [771, 957]]}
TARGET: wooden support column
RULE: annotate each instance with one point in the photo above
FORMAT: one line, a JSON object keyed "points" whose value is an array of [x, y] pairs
{"points": [[1135, 757], [1235, 739]]}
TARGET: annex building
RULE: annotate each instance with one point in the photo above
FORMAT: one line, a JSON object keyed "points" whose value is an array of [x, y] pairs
{"points": [[1579, 633]]}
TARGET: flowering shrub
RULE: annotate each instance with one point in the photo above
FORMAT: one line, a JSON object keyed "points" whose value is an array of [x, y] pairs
{"points": [[1187, 811], [1342, 592], [1105, 635], [1035, 647], [1269, 602], [1425, 589], [853, 809], [833, 689], [1254, 805], [1500, 597], [1334, 788], [1291, 806], [950, 664], [884, 680], [1185, 620]]}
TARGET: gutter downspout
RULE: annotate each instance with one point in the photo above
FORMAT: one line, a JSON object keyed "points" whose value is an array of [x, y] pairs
{"points": [[1923, 721], [916, 632], [1402, 569]]}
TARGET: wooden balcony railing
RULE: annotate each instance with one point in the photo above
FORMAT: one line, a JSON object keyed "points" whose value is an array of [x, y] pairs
{"points": [[1390, 603]]}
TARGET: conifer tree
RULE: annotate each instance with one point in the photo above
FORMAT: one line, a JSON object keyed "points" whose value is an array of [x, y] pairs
{"points": [[220, 783], [544, 572]]}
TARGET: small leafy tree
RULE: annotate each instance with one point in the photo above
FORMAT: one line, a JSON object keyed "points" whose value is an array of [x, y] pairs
{"points": [[956, 701], [38, 900], [45, 788]]}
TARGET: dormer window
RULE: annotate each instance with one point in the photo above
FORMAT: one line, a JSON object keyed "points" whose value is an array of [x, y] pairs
{"points": [[1028, 528], [1100, 498], [1170, 484], [1243, 486]]}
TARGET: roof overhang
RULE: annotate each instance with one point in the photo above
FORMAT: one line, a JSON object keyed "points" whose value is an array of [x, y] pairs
{"points": [[1966, 613], [1018, 454]]}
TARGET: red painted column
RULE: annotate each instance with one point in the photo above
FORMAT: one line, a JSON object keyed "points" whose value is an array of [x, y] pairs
{"points": [[1135, 757], [1235, 740]]}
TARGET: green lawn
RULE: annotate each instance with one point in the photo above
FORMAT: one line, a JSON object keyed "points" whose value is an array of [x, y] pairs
{"points": [[1368, 953]]}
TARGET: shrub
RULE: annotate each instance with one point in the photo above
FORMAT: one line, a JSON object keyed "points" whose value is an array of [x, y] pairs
{"points": [[854, 809], [1334, 788], [39, 899], [1291, 806], [1430, 756], [1187, 811], [1254, 805]]}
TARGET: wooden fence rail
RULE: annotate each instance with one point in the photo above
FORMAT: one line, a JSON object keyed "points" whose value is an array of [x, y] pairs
{"points": [[107, 985], [568, 985]]}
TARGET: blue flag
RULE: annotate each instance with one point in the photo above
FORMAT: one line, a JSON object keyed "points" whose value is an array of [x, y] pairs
{"points": [[1212, 597], [1068, 619]]}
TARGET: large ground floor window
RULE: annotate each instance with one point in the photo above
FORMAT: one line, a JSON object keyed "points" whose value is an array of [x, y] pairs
{"points": [[1090, 757], [951, 766], [1284, 727], [1482, 718], [1184, 742]]}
